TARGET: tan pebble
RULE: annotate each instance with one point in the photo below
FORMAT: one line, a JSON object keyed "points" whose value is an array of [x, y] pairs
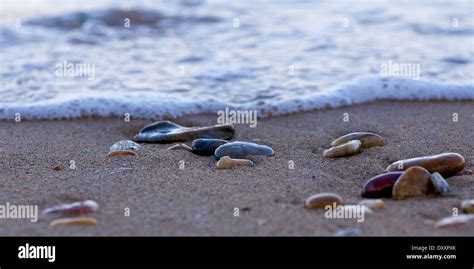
{"points": [[226, 162], [74, 221], [121, 152], [373, 203], [350, 148], [180, 147], [413, 182], [57, 167], [322, 199], [447, 164], [454, 221], [367, 139], [468, 206]]}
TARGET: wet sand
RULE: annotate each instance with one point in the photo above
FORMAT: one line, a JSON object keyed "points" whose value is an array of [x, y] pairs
{"points": [[200, 200]]}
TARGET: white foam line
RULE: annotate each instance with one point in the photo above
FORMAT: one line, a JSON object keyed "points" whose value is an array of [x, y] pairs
{"points": [[361, 90]]}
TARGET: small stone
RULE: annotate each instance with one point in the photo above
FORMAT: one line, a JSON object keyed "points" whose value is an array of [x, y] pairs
{"points": [[348, 232], [454, 221], [240, 150], [373, 203], [366, 210], [121, 152], [468, 206], [367, 139], [350, 148], [439, 183], [226, 163], [180, 147], [168, 132], [57, 167], [323, 199], [413, 182], [84, 207], [348, 209], [447, 164], [206, 147], [381, 185], [74, 221], [125, 145]]}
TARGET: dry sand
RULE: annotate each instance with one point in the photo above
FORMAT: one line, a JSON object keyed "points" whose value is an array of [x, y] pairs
{"points": [[200, 200]]}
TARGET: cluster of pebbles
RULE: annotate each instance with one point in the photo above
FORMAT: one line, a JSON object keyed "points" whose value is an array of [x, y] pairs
{"points": [[352, 143], [206, 141], [401, 180]]}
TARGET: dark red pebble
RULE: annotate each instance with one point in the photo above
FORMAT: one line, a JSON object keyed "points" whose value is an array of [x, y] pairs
{"points": [[381, 185]]}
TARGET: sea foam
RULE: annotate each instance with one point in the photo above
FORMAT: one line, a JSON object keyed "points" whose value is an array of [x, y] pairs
{"points": [[148, 106]]}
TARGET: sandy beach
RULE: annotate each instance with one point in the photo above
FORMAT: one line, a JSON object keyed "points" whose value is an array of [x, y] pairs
{"points": [[200, 200]]}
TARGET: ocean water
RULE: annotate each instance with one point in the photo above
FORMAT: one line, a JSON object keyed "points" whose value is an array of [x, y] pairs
{"points": [[65, 59]]}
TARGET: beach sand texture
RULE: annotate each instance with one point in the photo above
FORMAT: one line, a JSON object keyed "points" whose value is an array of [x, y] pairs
{"points": [[200, 200]]}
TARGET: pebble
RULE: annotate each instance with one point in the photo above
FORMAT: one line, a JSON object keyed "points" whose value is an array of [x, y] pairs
{"points": [[366, 209], [381, 185], [350, 148], [121, 152], [447, 164], [348, 232], [413, 182], [373, 203], [440, 184], [323, 199], [468, 206], [74, 221], [353, 208], [168, 132], [84, 207], [57, 167], [226, 163], [125, 145], [240, 150], [454, 221], [367, 139], [180, 147], [206, 147]]}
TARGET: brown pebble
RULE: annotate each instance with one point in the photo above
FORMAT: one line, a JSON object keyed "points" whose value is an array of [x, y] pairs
{"points": [[447, 164], [121, 152], [454, 221], [322, 199], [57, 167], [350, 148], [226, 163], [180, 147], [74, 221], [414, 181], [468, 206], [373, 203]]}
